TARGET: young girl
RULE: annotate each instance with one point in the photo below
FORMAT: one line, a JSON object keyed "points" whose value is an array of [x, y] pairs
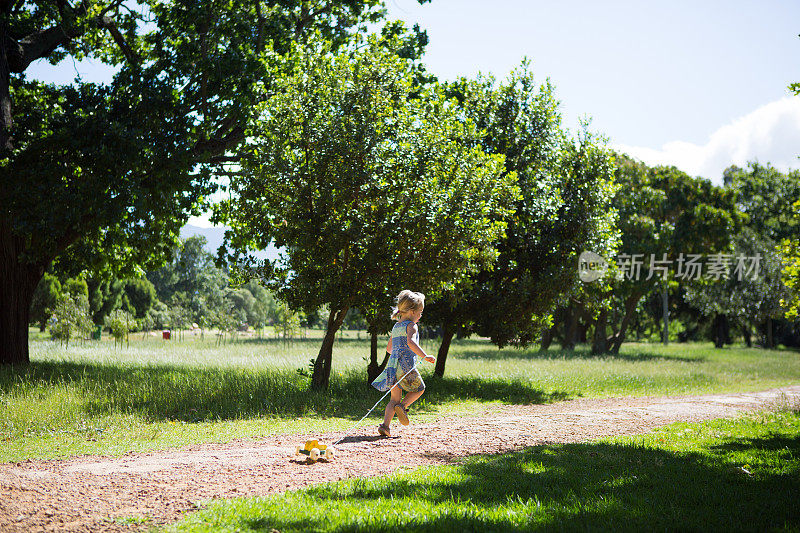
{"points": [[402, 347]]}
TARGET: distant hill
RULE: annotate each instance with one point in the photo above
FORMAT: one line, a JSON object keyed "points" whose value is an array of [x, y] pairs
{"points": [[216, 235]]}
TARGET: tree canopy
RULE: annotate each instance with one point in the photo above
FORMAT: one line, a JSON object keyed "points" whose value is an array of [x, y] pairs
{"points": [[565, 187], [790, 250], [105, 175], [368, 182]]}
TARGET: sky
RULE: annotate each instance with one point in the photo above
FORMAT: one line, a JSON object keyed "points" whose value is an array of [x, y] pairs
{"points": [[697, 84]]}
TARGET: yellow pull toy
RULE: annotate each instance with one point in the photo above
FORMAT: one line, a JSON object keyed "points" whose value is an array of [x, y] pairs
{"points": [[316, 450]]}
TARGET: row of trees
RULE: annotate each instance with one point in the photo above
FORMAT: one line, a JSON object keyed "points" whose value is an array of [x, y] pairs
{"points": [[345, 155], [371, 180], [189, 289], [342, 151], [134, 296], [672, 216], [103, 176]]}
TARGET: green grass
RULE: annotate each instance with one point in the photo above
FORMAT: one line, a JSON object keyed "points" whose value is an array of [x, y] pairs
{"points": [[725, 475], [95, 399]]}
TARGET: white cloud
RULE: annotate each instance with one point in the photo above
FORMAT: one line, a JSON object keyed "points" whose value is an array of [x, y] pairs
{"points": [[770, 134]]}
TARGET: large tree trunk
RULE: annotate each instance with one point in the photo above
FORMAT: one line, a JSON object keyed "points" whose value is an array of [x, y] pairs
{"points": [[320, 379], [599, 341], [444, 348], [770, 337], [727, 331], [17, 284], [582, 331], [570, 328], [746, 334], [585, 322], [547, 338], [721, 331], [630, 307], [5, 93], [373, 368]]}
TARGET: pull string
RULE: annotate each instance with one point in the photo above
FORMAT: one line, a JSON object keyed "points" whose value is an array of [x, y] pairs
{"points": [[350, 431]]}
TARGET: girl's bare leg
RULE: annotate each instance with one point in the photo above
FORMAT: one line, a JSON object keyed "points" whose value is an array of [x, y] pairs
{"points": [[410, 398], [394, 399]]}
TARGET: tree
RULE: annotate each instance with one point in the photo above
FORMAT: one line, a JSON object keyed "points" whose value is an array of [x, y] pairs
{"points": [[566, 186], [141, 294], [76, 287], [265, 307], [766, 196], [287, 324], [244, 307], [790, 250], [119, 324], [750, 294], [664, 216], [71, 316], [190, 269], [225, 321], [159, 315], [104, 296], [566, 212], [45, 299], [94, 175], [178, 317], [357, 180], [191, 278]]}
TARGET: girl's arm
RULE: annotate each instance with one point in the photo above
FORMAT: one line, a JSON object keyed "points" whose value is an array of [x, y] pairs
{"points": [[411, 330]]}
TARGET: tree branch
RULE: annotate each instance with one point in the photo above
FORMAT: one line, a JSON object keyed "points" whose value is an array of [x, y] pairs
{"points": [[60, 4], [224, 159], [306, 16], [229, 173], [109, 24], [41, 43], [260, 28], [36, 46], [207, 149], [109, 7]]}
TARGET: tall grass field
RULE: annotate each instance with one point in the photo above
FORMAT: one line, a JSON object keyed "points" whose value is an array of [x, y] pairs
{"points": [[95, 398]]}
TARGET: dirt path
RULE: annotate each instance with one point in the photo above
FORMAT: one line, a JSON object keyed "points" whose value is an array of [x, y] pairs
{"points": [[94, 493]]}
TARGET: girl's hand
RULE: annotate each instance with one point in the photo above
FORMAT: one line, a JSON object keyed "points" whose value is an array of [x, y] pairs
{"points": [[430, 359]]}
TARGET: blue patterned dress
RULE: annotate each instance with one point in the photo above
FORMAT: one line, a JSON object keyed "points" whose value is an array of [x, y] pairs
{"points": [[401, 360]]}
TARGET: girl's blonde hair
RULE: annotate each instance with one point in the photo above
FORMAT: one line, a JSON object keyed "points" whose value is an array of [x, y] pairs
{"points": [[407, 301]]}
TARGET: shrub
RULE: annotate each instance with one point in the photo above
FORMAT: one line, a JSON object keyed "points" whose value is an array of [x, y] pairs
{"points": [[71, 317], [119, 323]]}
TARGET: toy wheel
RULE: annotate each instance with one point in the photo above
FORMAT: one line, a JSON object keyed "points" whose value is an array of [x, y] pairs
{"points": [[330, 453], [313, 454]]}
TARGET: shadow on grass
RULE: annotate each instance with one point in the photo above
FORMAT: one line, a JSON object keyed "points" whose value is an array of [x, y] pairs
{"points": [[771, 444], [573, 487], [166, 392], [527, 354]]}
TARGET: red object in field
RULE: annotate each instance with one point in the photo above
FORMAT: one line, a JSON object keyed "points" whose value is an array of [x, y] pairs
{"points": [[165, 334]]}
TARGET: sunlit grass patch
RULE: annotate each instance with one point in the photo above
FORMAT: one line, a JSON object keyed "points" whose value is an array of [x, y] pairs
{"points": [[96, 399]]}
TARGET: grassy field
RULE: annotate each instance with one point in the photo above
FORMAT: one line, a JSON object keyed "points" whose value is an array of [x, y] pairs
{"points": [[95, 399], [725, 475]]}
